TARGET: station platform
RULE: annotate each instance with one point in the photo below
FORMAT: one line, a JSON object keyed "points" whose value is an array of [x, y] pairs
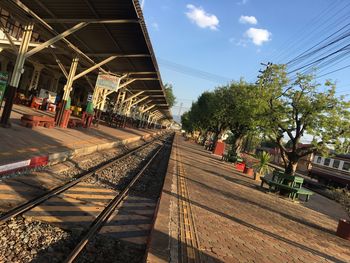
{"points": [[19, 145], [209, 212]]}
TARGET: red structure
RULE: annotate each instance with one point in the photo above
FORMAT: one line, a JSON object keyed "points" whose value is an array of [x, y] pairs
{"points": [[219, 148], [240, 166], [65, 118]]}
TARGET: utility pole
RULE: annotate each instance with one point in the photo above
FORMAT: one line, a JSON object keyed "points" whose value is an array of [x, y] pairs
{"points": [[267, 66], [181, 104]]}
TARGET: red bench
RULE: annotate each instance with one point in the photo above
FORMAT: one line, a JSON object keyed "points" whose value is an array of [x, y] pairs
{"points": [[31, 121]]}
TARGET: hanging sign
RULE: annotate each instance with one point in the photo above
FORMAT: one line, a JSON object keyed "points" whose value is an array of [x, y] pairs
{"points": [[106, 81], [89, 98], [3, 84]]}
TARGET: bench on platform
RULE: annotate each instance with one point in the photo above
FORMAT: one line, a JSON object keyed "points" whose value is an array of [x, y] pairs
{"points": [[292, 185], [31, 121], [74, 123]]}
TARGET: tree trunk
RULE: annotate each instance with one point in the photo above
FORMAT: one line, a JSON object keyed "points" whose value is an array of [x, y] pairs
{"points": [[215, 138], [291, 167], [237, 145]]}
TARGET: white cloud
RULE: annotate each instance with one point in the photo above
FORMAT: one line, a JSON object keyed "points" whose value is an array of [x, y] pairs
{"points": [[248, 20], [258, 36], [143, 4], [201, 18]]}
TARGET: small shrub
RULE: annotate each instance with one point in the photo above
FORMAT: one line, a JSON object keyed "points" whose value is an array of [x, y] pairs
{"points": [[262, 167]]}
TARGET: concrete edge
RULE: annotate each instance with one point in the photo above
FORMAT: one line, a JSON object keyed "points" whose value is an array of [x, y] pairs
{"points": [[159, 243], [58, 157]]}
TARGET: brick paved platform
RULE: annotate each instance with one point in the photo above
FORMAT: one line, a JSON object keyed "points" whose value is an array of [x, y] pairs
{"points": [[210, 213], [19, 143]]}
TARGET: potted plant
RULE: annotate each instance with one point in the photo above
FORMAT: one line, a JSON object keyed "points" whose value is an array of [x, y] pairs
{"points": [[248, 169], [262, 167]]}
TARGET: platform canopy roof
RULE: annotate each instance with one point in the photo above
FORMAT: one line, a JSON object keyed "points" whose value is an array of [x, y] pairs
{"points": [[105, 28]]}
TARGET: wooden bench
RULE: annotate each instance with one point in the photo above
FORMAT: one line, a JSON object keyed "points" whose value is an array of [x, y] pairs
{"points": [[292, 185], [74, 123], [31, 121]]}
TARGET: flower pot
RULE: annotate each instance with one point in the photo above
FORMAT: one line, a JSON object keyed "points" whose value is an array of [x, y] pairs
{"points": [[240, 166], [343, 229], [249, 171]]}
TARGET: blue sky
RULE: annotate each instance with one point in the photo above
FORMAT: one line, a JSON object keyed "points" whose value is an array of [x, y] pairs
{"points": [[216, 41]]}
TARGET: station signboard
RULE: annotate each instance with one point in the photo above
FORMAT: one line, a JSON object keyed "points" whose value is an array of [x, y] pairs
{"points": [[106, 81], [89, 97]]}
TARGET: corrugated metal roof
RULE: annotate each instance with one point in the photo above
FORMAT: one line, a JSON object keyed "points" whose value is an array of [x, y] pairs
{"points": [[99, 41]]}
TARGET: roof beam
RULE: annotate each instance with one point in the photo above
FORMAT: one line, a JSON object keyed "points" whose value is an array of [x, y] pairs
{"points": [[153, 112], [133, 96], [89, 82], [92, 21], [56, 38], [118, 54], [151, 90], [94, 67], [138, 101], [126, 83], [8, 36], [6, 43], [146, 78], [141, 73], [148, 108], [59, 63], [40, 20]]}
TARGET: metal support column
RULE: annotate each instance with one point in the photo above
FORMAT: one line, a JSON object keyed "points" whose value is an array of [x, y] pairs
{"points": [[16, 75], [119, 102], [55, 82], [35, 76], [67, 89]]}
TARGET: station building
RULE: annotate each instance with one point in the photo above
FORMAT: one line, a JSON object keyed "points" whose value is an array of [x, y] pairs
{"points": [[80, 55]]}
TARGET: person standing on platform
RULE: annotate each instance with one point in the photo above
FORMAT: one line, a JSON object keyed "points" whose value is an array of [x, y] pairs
{"points": [[46, 101]]}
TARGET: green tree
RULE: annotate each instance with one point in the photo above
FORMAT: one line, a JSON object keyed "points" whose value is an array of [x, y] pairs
{"points": [[293, 109], [169, 94], [343, 146], [186, 122], [239, 109]]}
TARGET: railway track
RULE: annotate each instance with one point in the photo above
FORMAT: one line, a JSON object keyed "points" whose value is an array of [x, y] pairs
{"points": [[112, 204]]}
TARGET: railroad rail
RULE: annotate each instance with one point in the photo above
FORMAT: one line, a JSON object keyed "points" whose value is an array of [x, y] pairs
{"points": [[57, 190], [108, 211]]}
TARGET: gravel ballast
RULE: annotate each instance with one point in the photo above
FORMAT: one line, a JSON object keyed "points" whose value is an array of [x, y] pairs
{"points": [[26, 240]]}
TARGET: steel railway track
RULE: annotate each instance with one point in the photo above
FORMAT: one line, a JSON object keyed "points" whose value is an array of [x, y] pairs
{"points": [[108, 211], [57, 190]]}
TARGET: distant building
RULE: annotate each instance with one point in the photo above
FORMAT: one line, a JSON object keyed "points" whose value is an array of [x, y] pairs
{"points": [[304, 164]]}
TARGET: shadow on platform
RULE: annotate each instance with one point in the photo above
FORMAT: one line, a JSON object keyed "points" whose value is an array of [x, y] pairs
{"points": [[255, 228]]}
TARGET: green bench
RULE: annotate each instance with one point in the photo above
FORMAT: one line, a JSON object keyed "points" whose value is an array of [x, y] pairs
{"points": [[231, 158], [292, 185]]}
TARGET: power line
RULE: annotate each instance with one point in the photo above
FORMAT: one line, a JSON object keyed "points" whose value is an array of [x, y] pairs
{"points": [[300, 33], [330, 18], [193, 72]]}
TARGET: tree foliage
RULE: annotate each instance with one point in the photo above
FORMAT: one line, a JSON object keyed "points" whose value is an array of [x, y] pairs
{"points": [[276, 108], [232, 107], [169, 94], [295, 108]]}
